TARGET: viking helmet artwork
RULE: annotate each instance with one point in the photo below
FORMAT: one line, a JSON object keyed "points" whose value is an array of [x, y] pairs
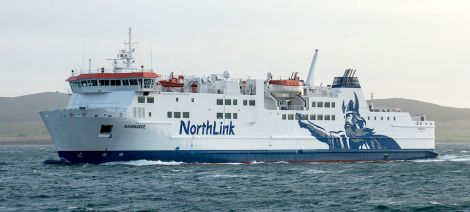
{"points": [[353, 106]]}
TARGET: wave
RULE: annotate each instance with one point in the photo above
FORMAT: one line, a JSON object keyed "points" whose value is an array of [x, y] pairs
{"points": [[446, 158], [143, 163]]}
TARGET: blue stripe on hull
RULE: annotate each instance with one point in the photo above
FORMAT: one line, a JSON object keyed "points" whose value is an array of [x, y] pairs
{"points": [[220, 156]]}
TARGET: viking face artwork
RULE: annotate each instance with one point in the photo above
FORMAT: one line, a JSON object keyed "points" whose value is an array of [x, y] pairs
{"points": [[356, 134]]}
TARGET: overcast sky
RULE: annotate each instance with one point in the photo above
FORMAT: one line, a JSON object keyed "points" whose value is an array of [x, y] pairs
{"points": [[410, 49]]}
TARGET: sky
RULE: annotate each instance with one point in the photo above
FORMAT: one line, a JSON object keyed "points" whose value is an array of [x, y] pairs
{"points": [[407, 49]]}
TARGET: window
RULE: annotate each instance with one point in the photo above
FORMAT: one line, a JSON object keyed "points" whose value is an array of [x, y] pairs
{"points": [[290, 116], [192, 99], [333, 104], [104, 82], [327, 117], [305, 116], [133, 81], [297, 117], [312, 117], [327, 104], [220, 115], [150, 99], [394, 118], [125, 82], [382, 118], [234, 102], [177, 99], [148, 83], [177, 115], [220, 101], [169, 115], [284, 116], [150, 114], [368, 117], [228, 102], [228, 115], [252, 102], [320, 117], [314, 104], [186, 115], [333, 117], [320, 104], [375, 118], [235, 115], [141, 99], [94, 83], [388, 118], [245, 102]]}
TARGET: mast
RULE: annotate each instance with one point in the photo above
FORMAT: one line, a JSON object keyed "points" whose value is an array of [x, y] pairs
{"points": [[309, 81]]}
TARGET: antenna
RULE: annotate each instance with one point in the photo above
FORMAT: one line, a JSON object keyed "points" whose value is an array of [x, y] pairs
{"points": [[371, 107], [151, 55], [312, 68], [89, 65]]}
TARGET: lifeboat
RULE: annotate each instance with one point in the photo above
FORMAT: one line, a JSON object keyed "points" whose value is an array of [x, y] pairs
{"points": [[173, 82], [291, 85]]}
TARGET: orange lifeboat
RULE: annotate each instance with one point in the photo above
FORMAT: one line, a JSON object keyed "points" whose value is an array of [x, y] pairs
{"points": [[291, 85], [173, 82]]}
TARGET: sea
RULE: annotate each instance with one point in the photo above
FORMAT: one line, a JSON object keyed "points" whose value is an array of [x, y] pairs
{"points": [[27, 183]]}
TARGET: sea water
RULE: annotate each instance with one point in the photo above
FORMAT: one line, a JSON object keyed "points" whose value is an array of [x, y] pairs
{"points": [[27, 183]]}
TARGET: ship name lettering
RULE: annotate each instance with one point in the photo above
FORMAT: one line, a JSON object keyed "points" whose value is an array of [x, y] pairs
{"points": [[207, 128], [135, 126]]}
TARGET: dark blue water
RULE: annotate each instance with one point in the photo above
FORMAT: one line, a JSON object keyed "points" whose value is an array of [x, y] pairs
{"points": [[26, 183]]}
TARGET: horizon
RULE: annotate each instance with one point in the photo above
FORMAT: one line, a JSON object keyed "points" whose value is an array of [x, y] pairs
{"points": [[413, 50]]}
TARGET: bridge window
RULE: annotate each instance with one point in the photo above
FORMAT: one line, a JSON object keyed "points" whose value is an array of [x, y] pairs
{"points": [[319, 104], [125, 82], [169, 114], [284, 116], [115, 82], [252, 102], [150, 99], [141, 99], [235, 116], [94, 83], [312, 117], [220, 101], [177, 115], [228, 115], [104, 82], [290, 116], [133, 82], [327, 104], [228, 102], [186, 115], [234, 102], [220, 115], [148, 83]]}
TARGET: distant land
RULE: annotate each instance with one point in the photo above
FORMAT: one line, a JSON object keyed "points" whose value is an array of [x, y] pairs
{"points": [[20, 121]]}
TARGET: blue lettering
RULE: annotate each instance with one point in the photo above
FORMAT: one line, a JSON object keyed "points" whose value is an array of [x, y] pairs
{"points": [[206, 128]]}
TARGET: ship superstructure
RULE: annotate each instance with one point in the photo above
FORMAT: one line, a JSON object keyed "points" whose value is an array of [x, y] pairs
{"points": [[130, 113]]}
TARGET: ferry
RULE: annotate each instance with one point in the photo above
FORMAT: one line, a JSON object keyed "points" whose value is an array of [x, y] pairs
{"points": [[130, 113]]}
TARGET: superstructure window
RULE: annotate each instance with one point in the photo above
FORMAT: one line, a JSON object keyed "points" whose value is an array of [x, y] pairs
{"points": [[220, 115], [150, 99], [169, 114], [252, 102], [235, 116], [141, 99], [327, 104], [245, 102], [327, 117], [284, 116], [333, 117], [320, 117], [177, 99], [394, 118], [314, 104], [177, 115], [290, 116], [333, 104], [220, 101], [312, 117], [228, 102], [319, 104], [228, 115], [234, 102], [186, 115]]}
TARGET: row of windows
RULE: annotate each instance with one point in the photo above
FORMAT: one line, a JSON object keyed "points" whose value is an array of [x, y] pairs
{"points": [[177, 115], [246, 102], [147, 83], [324, 104], [382, 118], [141, 99], [227, 116], [309, 117]]}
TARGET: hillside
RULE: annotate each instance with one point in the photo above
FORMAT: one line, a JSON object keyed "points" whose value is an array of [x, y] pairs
{"points": [[20, 121]]}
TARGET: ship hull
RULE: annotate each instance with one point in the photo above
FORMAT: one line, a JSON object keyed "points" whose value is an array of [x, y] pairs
{"points": [[97, 157]]}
